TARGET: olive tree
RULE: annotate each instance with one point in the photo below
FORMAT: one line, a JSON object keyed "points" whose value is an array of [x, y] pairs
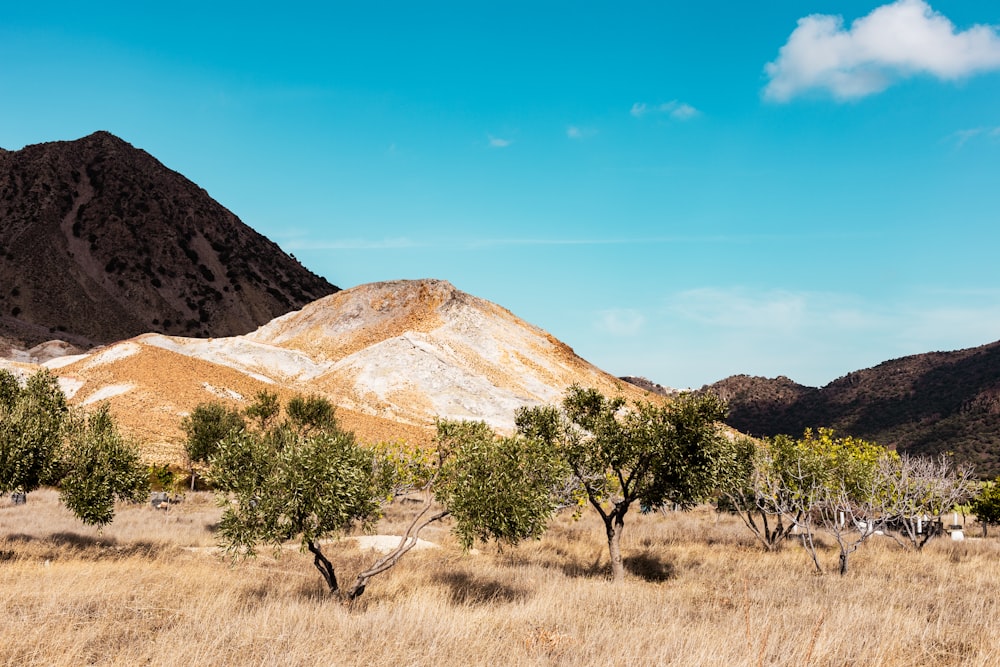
{"points": [[205, 427], [309, 484], [32, 428], [43, 442], [99, 467], [619, 455]]}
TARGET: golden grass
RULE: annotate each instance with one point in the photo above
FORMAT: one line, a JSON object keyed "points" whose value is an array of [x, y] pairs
{"points": [[698, 593]]}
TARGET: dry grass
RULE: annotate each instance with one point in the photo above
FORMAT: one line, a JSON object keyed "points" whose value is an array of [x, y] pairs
{"points": [[699, 593]]}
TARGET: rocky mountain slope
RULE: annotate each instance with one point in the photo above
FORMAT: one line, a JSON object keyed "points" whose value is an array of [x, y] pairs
{"points": [[100, 242], [924, 403], [392, 356]]}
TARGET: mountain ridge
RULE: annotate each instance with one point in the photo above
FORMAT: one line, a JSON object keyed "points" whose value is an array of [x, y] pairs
{"points": [[927, 403], [99, 242]]}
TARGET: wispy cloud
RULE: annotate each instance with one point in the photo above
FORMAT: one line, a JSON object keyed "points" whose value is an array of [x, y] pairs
{"points": [[577, 132], [300, 242], [893, 42], [815, 336], [623, 322], [498, 142], [961, 137], [674, 109]]}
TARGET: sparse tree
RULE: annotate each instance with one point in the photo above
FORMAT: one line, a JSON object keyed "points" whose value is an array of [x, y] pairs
{"points": [[836, 483], [757, 483], [264, 409], [310, 484], [621, 455], [43, 442], [986, 504], [32, 428], [923, 490], [100, 467], [205, 428]]}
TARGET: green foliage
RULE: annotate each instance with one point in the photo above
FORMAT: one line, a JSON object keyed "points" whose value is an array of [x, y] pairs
{"points": [[100, 467], [32, 421], [161, 478], [311, 413], [496, 488], [10, 390], [620, 454], [206, 426], [284, 484], [986, 504], [264, 409]]}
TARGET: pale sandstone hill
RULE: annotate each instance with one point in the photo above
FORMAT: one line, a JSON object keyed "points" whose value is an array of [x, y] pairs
{"points": [[392, 356]]}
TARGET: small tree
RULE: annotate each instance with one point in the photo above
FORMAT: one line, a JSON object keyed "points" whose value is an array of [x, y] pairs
{"points": [[288, 483], [99, 467], [43, 442], [32, 428], [620, 455], [986, 504], [833, 483], [264, 409], [757, 483], [923, 490], [205, 427], [311, 413]]}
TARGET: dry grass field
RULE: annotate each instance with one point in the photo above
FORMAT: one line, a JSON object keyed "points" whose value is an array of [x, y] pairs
{"points": [[699, 592]]}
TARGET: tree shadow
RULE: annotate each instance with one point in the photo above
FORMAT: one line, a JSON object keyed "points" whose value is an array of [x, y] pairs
{"points": [[65, 543], [646, 565], [649, 567], [469, 590], [577, 569]]}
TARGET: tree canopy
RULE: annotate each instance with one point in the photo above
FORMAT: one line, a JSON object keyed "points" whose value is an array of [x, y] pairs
{"points": [[43, 442], [618, 454]]}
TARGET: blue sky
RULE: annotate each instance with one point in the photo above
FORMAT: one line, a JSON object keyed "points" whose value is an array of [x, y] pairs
{"points": [[677, 190]]}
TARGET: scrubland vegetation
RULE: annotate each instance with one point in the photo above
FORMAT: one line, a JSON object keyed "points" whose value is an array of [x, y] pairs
{"points": [[224, 580], [698, 591]]}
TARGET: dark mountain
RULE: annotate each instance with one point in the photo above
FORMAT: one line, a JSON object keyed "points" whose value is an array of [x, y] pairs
{"points": [[99, 242], [923, 404]]}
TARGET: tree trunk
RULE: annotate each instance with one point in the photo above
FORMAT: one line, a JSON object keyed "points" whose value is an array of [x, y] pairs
{"points": [[613, 526], [843, 563], [324, 566]]}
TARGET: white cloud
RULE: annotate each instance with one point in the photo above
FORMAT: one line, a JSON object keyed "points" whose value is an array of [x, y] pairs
{"points": [[621, 321], [577, 132], [675, 109], [893, 42], [497, 142], [962, 137]]}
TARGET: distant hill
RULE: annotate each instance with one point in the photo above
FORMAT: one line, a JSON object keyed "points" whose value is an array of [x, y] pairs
{"points": [[392, 357], [100, 242], [648, 385], [924, 403]]}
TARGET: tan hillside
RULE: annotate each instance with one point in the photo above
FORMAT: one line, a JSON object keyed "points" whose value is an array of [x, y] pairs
{"points": [[392, 356]]}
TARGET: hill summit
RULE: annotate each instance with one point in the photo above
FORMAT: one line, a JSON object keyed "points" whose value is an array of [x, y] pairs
{"points": [[100, 242], [392, 356]]}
